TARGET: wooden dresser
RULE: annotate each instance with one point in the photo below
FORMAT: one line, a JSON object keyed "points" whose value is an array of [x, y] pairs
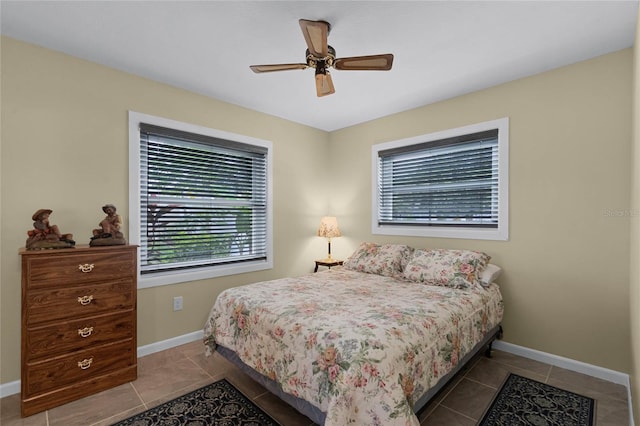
{"points": [[78, 323]]}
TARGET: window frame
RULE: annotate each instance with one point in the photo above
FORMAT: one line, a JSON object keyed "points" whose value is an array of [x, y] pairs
{"points": [[501, 233], [200, 273]]}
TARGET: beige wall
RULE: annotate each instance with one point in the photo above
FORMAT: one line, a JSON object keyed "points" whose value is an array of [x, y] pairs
{"points": [[566, 280], [566, 264], [65, 147], [635, 233]]}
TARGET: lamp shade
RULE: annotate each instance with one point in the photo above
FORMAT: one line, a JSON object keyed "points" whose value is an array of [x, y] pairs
{"points": [[329, 227]]}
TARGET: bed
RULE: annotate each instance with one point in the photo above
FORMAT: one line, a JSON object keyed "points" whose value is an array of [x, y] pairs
{"points": [[368, 343]]}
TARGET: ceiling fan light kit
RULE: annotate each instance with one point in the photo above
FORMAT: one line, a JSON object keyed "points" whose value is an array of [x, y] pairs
{"points": [[321, 56]]}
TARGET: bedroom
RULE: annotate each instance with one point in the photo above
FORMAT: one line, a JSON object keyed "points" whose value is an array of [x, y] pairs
{"points": [[571, 281]]}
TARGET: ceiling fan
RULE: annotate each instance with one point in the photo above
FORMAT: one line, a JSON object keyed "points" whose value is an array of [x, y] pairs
{"points": [[321, 56]]}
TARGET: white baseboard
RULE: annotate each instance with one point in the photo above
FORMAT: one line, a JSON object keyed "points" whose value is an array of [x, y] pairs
{"points": [[10, 388], [170, 343], [566, 363], [573, 365]]}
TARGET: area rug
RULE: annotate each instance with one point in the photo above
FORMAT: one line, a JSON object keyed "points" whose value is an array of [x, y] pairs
{"points": [[218, 404], [523, 401]]}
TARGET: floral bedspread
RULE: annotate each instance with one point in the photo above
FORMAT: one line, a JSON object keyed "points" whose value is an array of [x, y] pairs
{"points": [[361, 347]]}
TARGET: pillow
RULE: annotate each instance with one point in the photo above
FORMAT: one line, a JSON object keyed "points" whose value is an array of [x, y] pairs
{"points": [[490, 274], [388, 259], [449, 268]]}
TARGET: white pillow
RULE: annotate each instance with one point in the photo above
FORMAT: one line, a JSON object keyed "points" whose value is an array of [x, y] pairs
{"points": [[490, 274]]}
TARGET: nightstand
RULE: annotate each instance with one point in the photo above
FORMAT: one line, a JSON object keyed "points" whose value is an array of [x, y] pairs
{"points": [[327, 262]]}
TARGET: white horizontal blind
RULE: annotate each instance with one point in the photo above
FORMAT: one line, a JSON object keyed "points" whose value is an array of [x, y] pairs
{"points": [[203, 200], [450, 182]]}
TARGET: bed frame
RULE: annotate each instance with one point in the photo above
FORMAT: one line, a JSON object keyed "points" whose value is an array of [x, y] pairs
{"points": [[318, 417]]}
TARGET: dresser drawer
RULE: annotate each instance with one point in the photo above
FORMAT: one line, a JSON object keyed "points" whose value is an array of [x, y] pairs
{"points": [[79, 366], [70, 336], [72, 269], [78, 302]]}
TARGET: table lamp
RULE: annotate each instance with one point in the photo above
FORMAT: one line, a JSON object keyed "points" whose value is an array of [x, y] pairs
{"points": [[329, 229]]}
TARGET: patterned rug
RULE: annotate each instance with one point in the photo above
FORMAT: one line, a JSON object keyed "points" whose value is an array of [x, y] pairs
{"points": [[523, 401], [217, 404]]}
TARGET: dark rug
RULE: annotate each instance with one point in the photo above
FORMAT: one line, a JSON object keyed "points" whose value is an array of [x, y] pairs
{"points": [[523, 401], [218, 404]]}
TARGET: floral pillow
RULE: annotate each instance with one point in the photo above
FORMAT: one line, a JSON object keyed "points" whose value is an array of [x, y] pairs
{"points": [[388, 259], [449, 268]]}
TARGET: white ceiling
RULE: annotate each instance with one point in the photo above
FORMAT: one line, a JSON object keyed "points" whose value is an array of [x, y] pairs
{"points": [[442, 48]]}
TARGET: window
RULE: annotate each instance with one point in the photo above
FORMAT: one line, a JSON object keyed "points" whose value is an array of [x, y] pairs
{"points": [[200, 203], [451, 184]]}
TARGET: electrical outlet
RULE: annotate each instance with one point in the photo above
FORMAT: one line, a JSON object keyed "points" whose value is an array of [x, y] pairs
{"points": [[177, 303]]}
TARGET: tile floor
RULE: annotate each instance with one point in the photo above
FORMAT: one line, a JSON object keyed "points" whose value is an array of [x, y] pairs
{"points": [[166, 375]]}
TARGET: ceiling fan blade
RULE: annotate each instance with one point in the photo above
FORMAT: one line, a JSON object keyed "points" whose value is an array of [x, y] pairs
{"points": [[315, 34], [324, 84], [365, 63], [277, 67]]}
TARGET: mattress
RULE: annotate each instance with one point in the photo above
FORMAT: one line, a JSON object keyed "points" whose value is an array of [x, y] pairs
{"points": [[361, 348]]}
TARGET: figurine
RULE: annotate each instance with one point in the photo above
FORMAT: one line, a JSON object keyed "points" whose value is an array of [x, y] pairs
{"points": [[46, 236], [109, 233]]}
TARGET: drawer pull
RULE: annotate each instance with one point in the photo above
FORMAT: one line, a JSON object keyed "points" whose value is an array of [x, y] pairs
{"points": [[85, 332], [87, 267], [85, 363], [85, 300]]}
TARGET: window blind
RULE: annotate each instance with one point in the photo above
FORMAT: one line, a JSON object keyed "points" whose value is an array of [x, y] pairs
{"points": [[450, 182], [203, 200]]}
